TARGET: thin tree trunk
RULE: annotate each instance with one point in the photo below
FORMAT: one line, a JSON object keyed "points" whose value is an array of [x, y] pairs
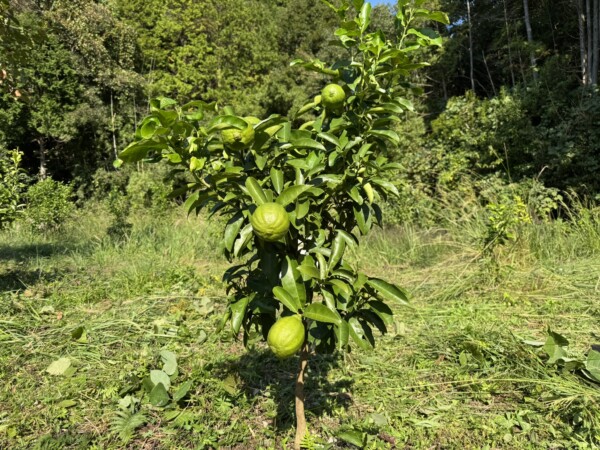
{"points": [[488, 72], [444, 88], [510, 62], [521, 66], [43, 173], [471, 76], [549, 11], [588, 23], [300, 416], [595, 39], [529, 37], [582, 50], [112, 121]]}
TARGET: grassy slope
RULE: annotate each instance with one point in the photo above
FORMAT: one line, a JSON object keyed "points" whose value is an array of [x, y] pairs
{"points": [[452, 374]]}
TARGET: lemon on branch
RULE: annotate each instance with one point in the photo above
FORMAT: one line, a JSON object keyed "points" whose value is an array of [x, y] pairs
{"points": [[237, 139], [286, 336], [333, 96], [270, 221]]}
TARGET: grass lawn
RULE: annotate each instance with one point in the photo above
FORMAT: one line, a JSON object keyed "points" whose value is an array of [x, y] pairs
{"points": [[85, 319]]}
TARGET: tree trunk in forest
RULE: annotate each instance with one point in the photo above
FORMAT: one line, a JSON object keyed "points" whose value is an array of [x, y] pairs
{"points": [[510, 62], [585, 77], [444, 88], [112, 122], [596, 20], [43, 169], [470, 46], [299, 391], [549, 11], [588, 24], [489, 73], [529, 37]]}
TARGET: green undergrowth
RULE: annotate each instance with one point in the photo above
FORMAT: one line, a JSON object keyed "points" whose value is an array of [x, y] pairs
{"points": [[86, 316]]}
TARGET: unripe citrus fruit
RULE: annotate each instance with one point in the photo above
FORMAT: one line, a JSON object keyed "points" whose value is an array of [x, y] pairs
{"points": [[270, 221], [286, 336], [333, 96], [238, 139]]}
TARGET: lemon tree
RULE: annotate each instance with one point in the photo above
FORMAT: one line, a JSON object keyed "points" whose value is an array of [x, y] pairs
{"points": [[296, 199]]}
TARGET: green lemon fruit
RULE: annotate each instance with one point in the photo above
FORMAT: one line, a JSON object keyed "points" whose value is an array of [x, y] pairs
{"points": [[238, 139], [286, 336], [333, 96], [270, 221]]}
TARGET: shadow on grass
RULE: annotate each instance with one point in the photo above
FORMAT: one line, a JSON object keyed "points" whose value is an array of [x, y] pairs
{"points": [[260, 374], [15, 279], [19, 253]]}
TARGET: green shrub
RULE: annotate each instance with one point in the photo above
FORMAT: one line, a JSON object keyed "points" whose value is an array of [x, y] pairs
{"points": [[49, 204], [12, 185], [120, 206], [147, 189]]}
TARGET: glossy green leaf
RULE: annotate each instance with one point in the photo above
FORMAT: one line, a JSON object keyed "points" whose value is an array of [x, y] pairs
{"points": [[232, 230], [388, 291], [329, 299], [355, 195], [357, 333], [241, 242], [159, 103], [389, 135], [321, 265], [437, 16], [289, 301], [291, 193], [148, 127], [337, 251], [427, 34], [362, 215], [190, 202], [274, 120], [291, 280], [302, 209], [322, 313], [277, 179], [329, 137], [255, 190], [139, 150], [224, 122], [364, 17], [167, 118], [342, 286], [238, 311], [383, 311], [342, 334], [386, 185], [194, 110], [308, 144]]}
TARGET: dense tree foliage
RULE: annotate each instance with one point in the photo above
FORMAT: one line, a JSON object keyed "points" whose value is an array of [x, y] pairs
{"points": [[85, 71]]}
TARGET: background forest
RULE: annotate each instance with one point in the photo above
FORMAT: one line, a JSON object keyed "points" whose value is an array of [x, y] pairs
{"points": [[512, 93]]}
